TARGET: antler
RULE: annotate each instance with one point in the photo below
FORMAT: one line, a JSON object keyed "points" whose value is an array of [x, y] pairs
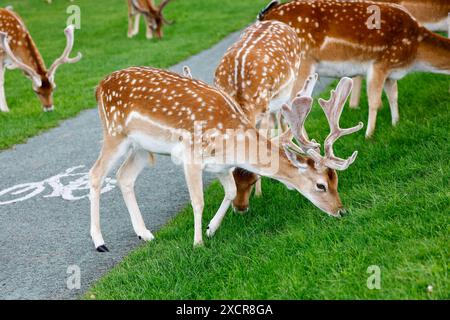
{"points": [[35, 77], [333, 110], [296, 116], [162, 5], [69, 31], [187, 72], [160, 10]]}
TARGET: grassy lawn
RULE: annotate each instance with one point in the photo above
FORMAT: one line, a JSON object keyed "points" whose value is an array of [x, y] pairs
{"points": [[397, 191], [103, 42]]}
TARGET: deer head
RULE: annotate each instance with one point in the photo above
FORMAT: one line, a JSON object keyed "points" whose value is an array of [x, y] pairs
{"points": [[156, 19], [310, 173], [43, 82]]}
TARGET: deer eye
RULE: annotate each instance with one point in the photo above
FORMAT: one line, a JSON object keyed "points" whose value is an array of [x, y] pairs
{"points": [[321, 187]]}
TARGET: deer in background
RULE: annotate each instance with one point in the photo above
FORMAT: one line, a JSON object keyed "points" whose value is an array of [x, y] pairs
{"points": [[432, 14], [146, 111], [18, 50], [338, 40], [259, 72], [153, 16]]}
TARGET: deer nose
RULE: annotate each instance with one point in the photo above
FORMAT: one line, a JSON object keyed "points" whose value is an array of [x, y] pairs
{"points": [[49, 108], [240, 210], [342, 212]]}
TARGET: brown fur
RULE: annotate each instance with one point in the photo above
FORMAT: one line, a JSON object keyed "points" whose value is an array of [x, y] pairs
{"points": [[145, 110], [253, 72], [153, 15], [336, 32], [24, 50]]}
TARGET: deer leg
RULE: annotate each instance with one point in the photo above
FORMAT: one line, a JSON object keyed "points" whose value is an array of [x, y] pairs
{"points": [[375, 84], [265, 126], [307, 68], [3, 104], [112, 150], [133, 26], [126, 176], [229, 185], [448, 24], [193, 174], [391, 89], [356, 92], [149, 33], [130, 25]]}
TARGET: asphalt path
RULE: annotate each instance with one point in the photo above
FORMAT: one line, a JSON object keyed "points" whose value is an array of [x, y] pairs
{"points": [[44, 208]]}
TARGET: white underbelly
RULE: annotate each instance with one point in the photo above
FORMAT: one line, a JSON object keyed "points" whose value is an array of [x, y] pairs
{"points": [[284, 96], [442, 25], [339, 69], [152, 144]]}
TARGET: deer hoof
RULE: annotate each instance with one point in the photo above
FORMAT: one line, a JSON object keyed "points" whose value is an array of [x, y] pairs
{"points": [[198, 244], [146, 236], [102, 248], [210, 233]]}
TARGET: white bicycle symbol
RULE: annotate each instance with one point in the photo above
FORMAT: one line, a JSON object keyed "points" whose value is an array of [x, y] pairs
{"points": [[69, 191]]}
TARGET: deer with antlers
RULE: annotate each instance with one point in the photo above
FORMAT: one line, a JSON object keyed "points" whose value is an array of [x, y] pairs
{"points": [[259, 72], [18, 50], [380, 40], [146, 111], [432, 14], [153, 16]]}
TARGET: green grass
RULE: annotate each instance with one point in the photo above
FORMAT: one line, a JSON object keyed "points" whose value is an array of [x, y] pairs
{"points": [[397, 191], [106, 48]]}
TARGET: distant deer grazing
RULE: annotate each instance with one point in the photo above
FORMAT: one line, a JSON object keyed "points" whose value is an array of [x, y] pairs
{"points": [[145, 111], [259, 72], [153, 15], [432, 14], [339, 40], [18, 50]]}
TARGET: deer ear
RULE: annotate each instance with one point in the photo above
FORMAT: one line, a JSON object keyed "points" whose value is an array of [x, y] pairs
{"points": [[295, 158]]}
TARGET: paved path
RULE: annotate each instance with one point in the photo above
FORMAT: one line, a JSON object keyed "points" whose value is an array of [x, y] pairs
{"points": [[44, 219]]}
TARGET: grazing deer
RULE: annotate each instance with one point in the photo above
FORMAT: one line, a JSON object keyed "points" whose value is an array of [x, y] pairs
{"points": [[18, 50], [259, 72], [146, 111], [343, 38], [153, 15], [432, 14]]}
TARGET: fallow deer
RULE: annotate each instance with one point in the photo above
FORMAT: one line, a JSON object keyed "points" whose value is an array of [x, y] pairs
{"points": [[432, 14], [153, 16], [259, 72], [18, 50], [146, 111], [344, 38]]}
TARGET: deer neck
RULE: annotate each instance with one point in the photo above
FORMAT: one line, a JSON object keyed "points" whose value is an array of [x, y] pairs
{"points": [[273, 164], [30, 55], [252, 110], [433, 53]]}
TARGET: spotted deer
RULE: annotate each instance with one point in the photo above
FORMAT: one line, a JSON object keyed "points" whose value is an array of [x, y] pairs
{"points": [[344, 39], [18, 50], [259, 72], [432, 14], [147, 111], [153, 16]]}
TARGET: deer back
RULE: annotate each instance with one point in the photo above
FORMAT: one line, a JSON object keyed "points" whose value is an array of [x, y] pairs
{"points": [[342, 31], [20, 40], [257, 67], [144, 98]]}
